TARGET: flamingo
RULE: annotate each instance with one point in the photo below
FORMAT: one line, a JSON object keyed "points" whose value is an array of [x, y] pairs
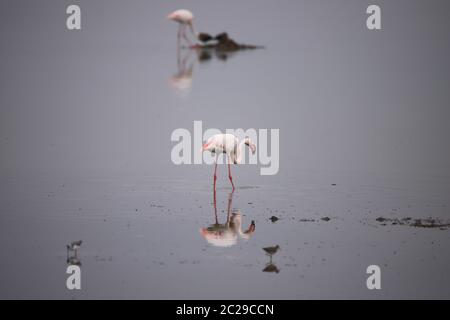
{"points": [[185, 19], [230, 145]]}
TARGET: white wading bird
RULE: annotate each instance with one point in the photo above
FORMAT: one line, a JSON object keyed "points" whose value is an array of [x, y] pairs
{"points": [[185, 19], [229, 144]]}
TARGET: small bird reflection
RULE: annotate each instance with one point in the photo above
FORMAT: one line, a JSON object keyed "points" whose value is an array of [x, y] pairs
{"points": [[72, 253], [73, 261], [271, 266], [227, 234]]}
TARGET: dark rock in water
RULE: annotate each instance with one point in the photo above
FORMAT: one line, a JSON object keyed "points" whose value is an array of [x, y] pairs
{"points": [[418, 223], [205, 37], [334, 184], [274, 219], [325, 219], [225, 43], [222, 37], [430, 223]]}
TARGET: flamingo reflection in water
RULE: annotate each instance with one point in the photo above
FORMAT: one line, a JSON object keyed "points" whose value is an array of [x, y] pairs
{"points": [[227, 234], [182, 80]]}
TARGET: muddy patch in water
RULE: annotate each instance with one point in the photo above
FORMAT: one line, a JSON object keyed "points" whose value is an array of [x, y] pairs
{"points": [[431, 223], [222, 42]]}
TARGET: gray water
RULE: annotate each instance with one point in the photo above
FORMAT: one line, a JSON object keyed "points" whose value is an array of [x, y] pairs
{"points": [[85, 124]]}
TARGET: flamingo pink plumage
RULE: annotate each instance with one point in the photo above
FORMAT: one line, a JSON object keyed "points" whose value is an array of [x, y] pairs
{"points": [[185, 19], [230, 145]]}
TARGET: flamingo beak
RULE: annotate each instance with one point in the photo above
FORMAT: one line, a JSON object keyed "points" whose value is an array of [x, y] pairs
{"points": [[205, 147]]}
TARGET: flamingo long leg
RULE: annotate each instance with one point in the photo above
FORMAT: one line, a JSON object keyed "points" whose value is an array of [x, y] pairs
{"points": [[229, 175], [215, 169], [179, 35], [215, 173], [185, 35], [215, 205]]}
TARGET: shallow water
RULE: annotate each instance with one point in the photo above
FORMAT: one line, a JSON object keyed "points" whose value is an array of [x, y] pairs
{"points": [[86, 120], [141, 239]]}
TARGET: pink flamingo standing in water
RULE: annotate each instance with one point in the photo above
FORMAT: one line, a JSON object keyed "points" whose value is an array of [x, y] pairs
{"points": [[185, 19], [230, 145]]}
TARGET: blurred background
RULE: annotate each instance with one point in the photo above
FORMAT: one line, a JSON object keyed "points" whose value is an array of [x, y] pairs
{"points": [[99, 101]]}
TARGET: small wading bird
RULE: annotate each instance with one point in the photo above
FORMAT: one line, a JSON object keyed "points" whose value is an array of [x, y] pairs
{"points": [[270, 266], [270, 251], [230, 145], [74, 246]]}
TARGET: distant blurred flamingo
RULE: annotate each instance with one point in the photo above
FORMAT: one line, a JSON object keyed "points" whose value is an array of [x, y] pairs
{"points": [[185, 19], [230, 145]]}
